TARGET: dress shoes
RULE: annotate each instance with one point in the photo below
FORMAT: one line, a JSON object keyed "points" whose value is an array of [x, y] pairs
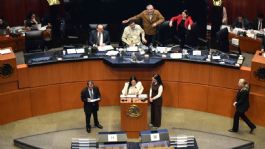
{"points": [[99, 126], [252, 129], [88, 130], [232, 130]]}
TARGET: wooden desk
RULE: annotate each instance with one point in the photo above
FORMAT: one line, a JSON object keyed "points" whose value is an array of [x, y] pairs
{"points": [[247, 44], [258, 66], [56, 87], [17, 43], [8, 82]]}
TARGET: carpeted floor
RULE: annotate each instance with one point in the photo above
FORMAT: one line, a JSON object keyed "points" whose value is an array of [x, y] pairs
{"points": [[110, 118]]}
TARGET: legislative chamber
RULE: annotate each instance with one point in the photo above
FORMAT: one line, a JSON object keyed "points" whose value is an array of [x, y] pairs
{"points": [[50, 52]]}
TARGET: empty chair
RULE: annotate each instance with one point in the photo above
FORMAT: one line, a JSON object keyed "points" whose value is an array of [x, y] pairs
{"points": [[34, 41]]}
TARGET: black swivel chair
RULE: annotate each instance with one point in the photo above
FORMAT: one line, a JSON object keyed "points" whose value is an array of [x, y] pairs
{"points": [[222, 40], [34, 41]]}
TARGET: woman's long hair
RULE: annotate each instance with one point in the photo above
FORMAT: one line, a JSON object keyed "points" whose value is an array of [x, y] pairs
{"points": [[130, 82], [158, 79]]}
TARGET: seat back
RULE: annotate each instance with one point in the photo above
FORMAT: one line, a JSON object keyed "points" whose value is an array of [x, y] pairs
{"points": [[34, 41]]}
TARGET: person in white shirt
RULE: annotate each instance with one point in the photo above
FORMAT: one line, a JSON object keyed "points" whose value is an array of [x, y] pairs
{"points": [[156, 91], [133, 34], [133, 87]]}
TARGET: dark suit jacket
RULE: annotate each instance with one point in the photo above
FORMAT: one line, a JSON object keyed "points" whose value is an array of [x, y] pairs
{"points": [[90, 106], [93, 38], [256, 23], [245, 24], [242, 99]]}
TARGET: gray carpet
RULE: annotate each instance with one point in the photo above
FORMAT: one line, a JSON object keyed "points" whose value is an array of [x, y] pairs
{"points": [[62, 139]]}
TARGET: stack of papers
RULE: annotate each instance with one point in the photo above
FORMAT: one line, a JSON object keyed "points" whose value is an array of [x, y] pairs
{"points": [[176, 55], [5, 51], [112, 53], [80, 50], [132, 49], [71, 51], [105, 48]]}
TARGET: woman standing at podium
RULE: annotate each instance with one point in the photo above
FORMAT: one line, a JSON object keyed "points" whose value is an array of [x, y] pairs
{"points": [[133, 87], [156, 91]]}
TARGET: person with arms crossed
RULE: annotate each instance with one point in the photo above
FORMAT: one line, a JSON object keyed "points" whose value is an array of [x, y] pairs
{"points": [[90, 95]]}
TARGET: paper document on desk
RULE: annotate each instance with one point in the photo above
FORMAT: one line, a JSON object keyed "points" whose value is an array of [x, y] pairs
{"points": [[43, 28], [163, 49], [92, 100], [112, 53], [197, 52], [142, 96], [80, 50], [71, 51], [216, 57], [132, 49], [128, 96], [5, 51], [105, 48], [176, 55]]}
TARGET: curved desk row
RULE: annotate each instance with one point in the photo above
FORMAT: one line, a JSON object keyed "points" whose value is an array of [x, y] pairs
{"points": [[56, 87]]}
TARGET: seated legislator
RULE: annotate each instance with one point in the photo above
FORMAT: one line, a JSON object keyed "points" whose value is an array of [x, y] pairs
{"points": [[131, 34], [3, 24], [259, 22], [241, 22], [99, 37], [32, 22], [184, 22], [133, 87]]}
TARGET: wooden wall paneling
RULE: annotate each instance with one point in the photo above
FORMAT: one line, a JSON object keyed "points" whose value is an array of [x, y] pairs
{"points": [[171, 94], [256, 110], [172, 69], [23, 76], [220, 101], [110, 92], [193, 96], [70, 94], [195, 73], [45, 75], [15, 105], [45, 99], [223, 77]]}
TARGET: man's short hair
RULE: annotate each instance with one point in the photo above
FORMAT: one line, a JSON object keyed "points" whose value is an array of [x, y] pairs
{"points": [[90, 81]]}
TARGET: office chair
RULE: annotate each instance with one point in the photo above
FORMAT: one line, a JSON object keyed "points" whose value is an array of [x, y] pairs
{"points": [[222, 40], [94, 26], [34, 41]]}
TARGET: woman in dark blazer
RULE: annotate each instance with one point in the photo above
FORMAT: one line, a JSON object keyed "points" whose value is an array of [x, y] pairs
{"points": [[242, 104]]}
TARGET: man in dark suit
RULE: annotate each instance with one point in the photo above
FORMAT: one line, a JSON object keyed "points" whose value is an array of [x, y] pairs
{"points": [[259, 22], [90, 95], [242, 104], [99, 37], [241, 22]]}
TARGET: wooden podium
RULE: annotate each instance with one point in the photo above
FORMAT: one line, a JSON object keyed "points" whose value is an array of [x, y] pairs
{"points": [[8, 71], [133, 115], [258, 72]]}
